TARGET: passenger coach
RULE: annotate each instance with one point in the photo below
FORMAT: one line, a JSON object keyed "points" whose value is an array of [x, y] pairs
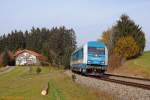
{"points": [[90, 59]]}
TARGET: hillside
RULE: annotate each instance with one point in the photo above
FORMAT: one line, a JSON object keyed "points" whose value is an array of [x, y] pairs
{"points": [[139, 67]]}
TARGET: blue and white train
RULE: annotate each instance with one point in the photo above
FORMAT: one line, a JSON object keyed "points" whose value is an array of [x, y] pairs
{"points": [[90, 59]]}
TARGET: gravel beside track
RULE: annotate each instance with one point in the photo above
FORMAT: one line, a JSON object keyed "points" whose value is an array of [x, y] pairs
{"points": [[122, 92]]}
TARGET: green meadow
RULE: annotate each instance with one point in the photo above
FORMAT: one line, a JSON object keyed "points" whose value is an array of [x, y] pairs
{"points": [[22, 84]]}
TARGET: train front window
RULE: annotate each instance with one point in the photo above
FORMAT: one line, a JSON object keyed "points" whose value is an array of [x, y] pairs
{"points": [[96, 51], [78, 55]]}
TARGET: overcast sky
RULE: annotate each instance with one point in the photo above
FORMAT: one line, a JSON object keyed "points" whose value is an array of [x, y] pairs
{"points": [[89, 18]]}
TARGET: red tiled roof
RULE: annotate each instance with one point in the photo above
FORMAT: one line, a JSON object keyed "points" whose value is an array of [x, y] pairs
{"points": [[39, 56]]}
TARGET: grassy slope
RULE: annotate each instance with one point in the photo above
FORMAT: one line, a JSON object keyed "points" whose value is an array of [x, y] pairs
{"points": [[139, 67], [19, 83]]}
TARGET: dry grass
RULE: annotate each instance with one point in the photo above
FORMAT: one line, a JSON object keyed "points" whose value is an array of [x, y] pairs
{"points": [[114, 62], [139, 67]]}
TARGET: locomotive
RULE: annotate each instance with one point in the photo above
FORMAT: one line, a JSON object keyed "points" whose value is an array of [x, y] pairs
{"points": [[90, 59]]}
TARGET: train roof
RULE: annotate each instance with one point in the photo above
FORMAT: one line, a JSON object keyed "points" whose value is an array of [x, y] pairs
{"points": [[96, 44], [92, 44]]}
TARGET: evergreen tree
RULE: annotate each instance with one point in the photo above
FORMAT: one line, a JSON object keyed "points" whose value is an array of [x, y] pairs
{"points": [[6, 58]]}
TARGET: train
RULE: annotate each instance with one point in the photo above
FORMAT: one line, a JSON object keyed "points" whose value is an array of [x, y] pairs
{"points": [[90, 59]]}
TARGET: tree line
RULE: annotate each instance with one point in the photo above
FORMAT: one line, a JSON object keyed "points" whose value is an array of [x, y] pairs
{"points": [[56, 43]]}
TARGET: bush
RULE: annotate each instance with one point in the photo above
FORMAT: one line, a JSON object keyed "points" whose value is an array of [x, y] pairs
{"points": [[126, 47], [38, 70]]}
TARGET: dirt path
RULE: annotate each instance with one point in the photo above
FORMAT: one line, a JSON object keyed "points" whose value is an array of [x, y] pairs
{"points": [[7, 69]]}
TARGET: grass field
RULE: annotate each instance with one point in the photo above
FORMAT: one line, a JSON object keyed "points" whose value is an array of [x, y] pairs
{"points": [[20, 84], [138, 67]]}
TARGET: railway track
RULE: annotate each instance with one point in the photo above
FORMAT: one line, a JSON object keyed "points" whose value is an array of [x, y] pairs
{"points": [[125, 80], [128, 77]]}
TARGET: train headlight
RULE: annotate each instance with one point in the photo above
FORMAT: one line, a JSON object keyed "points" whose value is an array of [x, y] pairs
{"points": [[102, 62], [89, 61]]}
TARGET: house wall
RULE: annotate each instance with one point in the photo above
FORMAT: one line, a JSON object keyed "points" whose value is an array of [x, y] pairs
{"points": [[26, 58]]}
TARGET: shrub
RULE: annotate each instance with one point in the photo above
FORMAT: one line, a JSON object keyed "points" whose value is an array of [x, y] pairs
{"points": [[38, 70], [126, 47]]}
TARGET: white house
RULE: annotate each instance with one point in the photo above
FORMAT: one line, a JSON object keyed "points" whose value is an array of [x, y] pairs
{"points": [[28, 57]]}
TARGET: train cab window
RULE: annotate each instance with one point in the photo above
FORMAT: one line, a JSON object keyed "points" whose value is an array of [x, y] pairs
{"points": [[98, 51], [78, 55]]}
